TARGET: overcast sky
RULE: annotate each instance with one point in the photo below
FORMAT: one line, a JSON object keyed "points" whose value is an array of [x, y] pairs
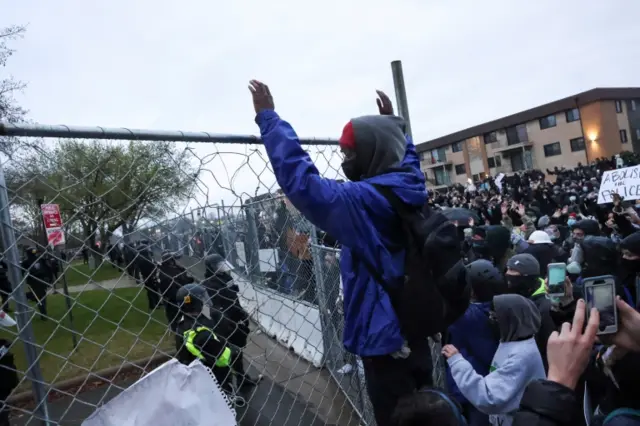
{"points": [[185, 65]]}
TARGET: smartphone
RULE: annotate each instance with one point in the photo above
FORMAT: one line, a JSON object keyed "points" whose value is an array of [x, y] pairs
{"points": [[557, 273], [600, 293]]}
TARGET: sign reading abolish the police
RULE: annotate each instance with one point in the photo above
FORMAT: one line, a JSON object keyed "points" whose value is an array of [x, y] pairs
{"points": [[625, 182]]}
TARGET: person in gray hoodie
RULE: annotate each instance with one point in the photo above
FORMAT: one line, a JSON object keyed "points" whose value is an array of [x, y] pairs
{"points": [[516, 362]]}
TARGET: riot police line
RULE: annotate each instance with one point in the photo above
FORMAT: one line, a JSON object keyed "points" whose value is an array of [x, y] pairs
{"points": [[206, 317]]}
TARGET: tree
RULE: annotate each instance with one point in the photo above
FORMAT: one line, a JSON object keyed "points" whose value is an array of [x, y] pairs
{"points": [[9, 110], [101, 185]]}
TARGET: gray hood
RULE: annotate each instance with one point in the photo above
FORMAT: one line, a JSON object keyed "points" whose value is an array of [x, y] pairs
{"points": [[518, 317], [380, 143]]}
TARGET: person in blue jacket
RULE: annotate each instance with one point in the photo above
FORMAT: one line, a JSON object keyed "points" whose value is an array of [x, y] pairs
{"points": [[376, 151], [474, 333]]}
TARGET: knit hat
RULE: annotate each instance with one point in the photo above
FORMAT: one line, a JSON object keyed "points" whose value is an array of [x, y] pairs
{"points": [[525, 264], [348, 139]]}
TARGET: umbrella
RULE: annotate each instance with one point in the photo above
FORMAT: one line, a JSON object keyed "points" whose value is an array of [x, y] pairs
{"points": [[461, 215]]}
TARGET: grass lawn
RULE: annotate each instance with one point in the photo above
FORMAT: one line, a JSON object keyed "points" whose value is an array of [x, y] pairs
{"points": [[78, 273], [112, 326]]}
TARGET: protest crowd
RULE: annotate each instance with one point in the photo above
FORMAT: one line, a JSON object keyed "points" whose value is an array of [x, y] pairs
{"points": [[470, 266]]}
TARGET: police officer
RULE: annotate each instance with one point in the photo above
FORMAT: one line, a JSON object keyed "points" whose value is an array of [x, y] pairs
{"points": [[129, 255], [8, 370], [234, 325], [195, 336], [147, 267], [5, 286], [172, 277], [38, 278]]}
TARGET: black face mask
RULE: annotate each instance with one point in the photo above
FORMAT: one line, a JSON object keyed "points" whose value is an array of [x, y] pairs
{"points": [[522, 285], [629, 265], [351, 170], [481, 249]]}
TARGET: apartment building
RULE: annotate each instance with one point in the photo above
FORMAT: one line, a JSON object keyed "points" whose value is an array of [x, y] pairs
{"points": [[578, 129]]}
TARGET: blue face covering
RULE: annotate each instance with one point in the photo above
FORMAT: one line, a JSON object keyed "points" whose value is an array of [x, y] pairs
{"points": [[571, 222]]}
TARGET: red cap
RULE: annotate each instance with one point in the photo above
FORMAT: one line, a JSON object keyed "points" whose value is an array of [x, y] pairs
{"points": [[572, 215], [348, 138]]}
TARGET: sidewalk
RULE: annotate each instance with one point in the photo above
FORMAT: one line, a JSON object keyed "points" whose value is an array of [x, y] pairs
{"points": [[121, 282]]}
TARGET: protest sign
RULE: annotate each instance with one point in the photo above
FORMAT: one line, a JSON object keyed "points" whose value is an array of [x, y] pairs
{"points": [[53, 224], [625, 182]]}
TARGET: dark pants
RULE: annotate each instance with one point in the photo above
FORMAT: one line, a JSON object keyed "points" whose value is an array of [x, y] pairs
{"points": [[224, 378], [152, 292], [389, 379], [474, 416], [5, 294], [4, 414], [172, 312]]}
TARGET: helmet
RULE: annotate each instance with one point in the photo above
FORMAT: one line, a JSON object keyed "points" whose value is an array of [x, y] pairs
{"points": [[215, 264], [168, 255], [193, 298], [485, 279]]}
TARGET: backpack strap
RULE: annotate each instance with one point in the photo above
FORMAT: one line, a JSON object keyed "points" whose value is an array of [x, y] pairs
{"points": [[402, 209]]}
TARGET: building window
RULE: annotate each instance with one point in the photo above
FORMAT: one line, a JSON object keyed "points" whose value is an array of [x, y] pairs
{"points": [[490, 137], [461, 169], [494, 162], [548, 121], [573, 115], [619, 107], [577, 144], [552, 149], [633, 104], [456, 146], [623, 136]]}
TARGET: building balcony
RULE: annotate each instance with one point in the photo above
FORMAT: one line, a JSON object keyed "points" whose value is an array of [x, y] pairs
{"points": [[504, 146], [439, 183], [430, 163]]}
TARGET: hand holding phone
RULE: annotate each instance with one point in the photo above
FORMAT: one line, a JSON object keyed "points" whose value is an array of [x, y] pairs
{"points": [[556, 273], [600, 293]]}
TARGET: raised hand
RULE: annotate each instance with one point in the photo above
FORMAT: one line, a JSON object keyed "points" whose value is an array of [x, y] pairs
{"points": [[384, 103], [262, 99]]}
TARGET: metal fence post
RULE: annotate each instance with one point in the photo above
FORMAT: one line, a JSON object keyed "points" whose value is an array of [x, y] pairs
{"points": [[321, 292], [25, 331], [401, 94], [252, 245]]}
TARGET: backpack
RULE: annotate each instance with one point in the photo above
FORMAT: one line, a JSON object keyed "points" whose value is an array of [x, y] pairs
{"points": [[622, 417], [435, 292]]}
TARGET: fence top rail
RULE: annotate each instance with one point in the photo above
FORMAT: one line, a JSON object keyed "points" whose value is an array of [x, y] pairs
{"points": [[97, 132], [325, 248]]}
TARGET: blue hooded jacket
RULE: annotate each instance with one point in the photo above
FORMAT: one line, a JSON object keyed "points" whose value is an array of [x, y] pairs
{"points": [[356, 215], [473, 336]]}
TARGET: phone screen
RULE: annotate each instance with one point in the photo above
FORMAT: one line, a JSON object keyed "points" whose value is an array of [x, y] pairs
{"points": [[602, 298], [557, 275]]}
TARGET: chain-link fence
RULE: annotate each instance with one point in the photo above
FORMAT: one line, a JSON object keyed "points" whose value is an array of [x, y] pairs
{"points": [[77, 205]]}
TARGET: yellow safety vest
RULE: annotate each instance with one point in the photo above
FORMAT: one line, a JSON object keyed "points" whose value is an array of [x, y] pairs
{"points": [[223, 360], [541, 289]]}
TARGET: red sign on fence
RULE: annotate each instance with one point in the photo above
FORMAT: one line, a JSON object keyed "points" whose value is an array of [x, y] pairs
{"points": [[53, 223]]}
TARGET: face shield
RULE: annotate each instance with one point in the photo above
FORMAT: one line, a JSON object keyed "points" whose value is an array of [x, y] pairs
{"points": [[224, 267]]}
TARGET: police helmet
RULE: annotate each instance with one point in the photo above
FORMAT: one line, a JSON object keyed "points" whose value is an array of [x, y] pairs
{"points": [[192, 298], [214, 263], [169, 255], [31, 251]]}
